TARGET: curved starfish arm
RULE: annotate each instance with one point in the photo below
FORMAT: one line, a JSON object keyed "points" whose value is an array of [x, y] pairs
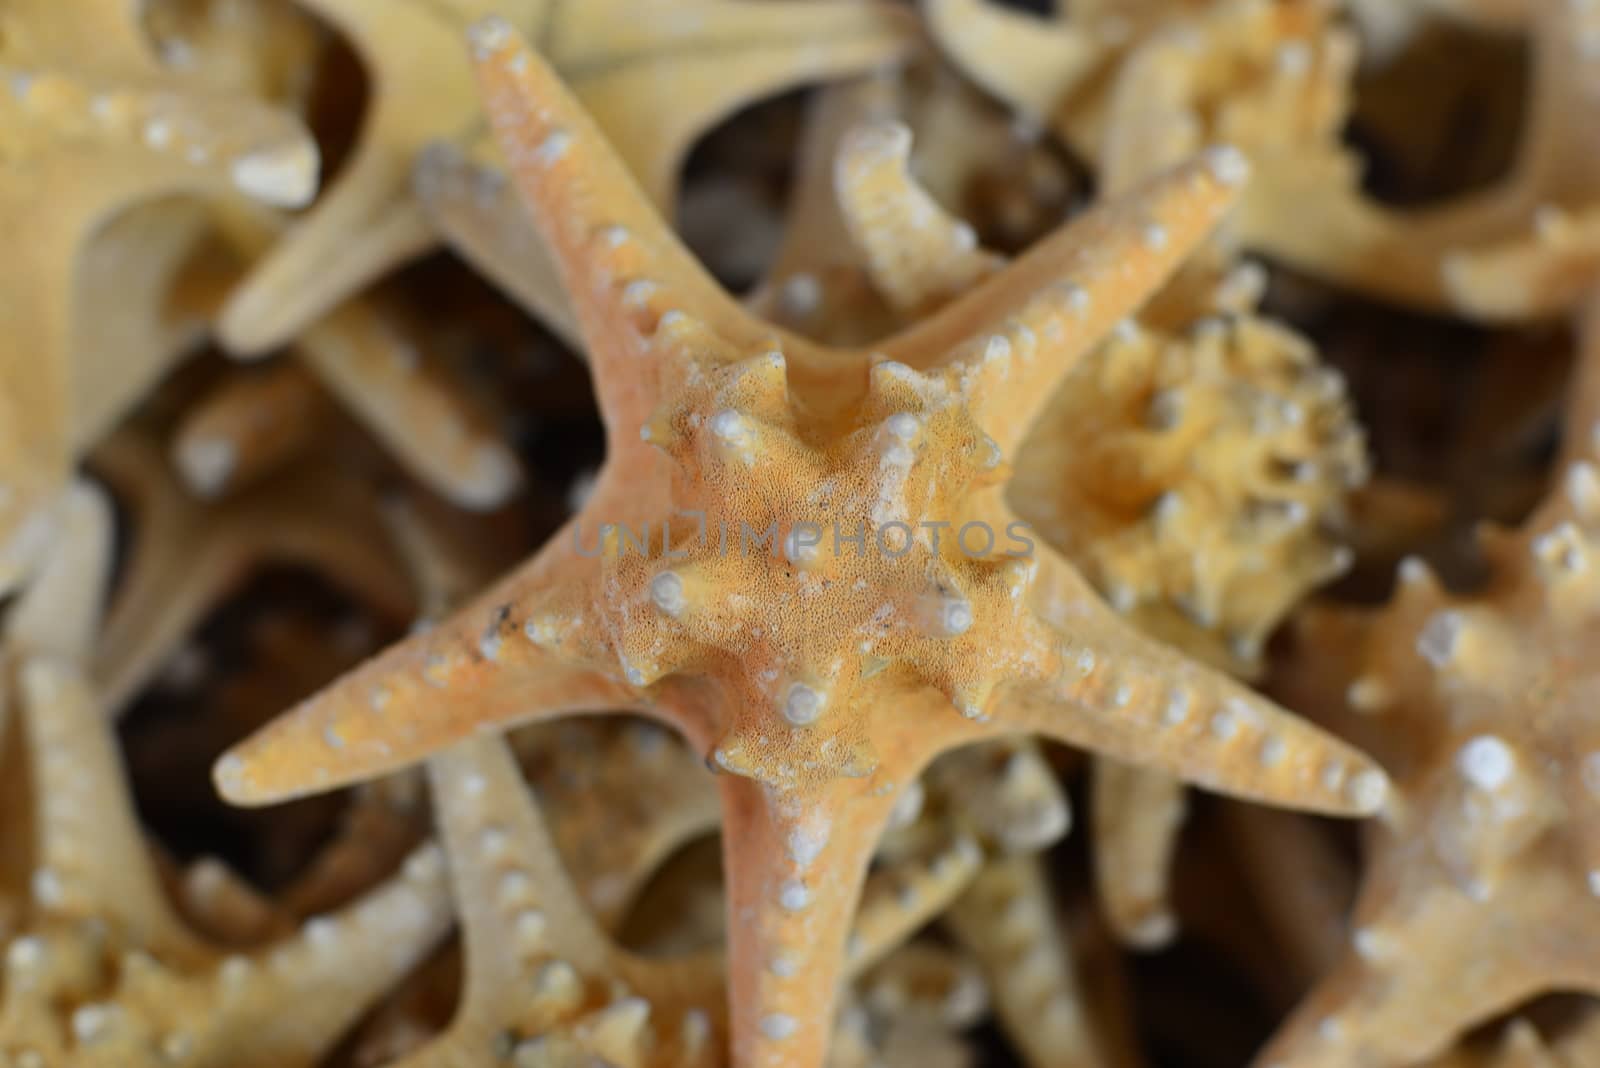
{"points": [[1532, 277], [916, 253], [223, 906], [1009, 340], [94, 177], [60, 613], [300, 996], [473, 206], [367, 355], [1007, 921], [621, 799], [248, 428], [1006, 791], [1137, 815], [1031, 63], [903, 896], [795, 863], [537, 964], [188, 556], [477, 670], [1425, 967], [639, 297], [718, 57], [362, 228], [1123, 696]]}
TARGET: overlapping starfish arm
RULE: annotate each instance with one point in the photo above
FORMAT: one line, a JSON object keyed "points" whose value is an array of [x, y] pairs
{"points": [[620, 798], [901, 897], [248, 428], [1137, 815], [543, 982], [1034, 64], [480, 215], [917, 255], [1007, 921], [189, 555], [101, 970], [101, 145], [718, 55]]}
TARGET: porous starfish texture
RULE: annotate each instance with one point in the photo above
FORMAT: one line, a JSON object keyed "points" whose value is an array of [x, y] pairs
{"points": [[1481, 887], [99, 968], [819, 681]]}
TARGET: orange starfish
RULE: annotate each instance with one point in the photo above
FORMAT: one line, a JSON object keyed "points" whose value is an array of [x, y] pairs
{"points": [[715, 55], [820, 680]]}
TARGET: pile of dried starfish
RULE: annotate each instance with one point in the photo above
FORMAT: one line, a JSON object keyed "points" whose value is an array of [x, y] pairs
{"points": [[902, 421]]}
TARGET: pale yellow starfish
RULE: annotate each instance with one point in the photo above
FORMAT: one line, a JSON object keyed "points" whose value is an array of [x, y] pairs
{"points": [[655, 75]]}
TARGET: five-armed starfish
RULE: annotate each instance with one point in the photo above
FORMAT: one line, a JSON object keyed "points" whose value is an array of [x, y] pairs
{"points": [[655, 75], [820, 679]]}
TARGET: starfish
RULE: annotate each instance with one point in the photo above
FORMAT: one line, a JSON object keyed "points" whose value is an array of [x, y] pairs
{"points": [[820, 683], [99, 969], [717, 55], [249, 427], [89, 116], [188, 556], [1524, 249], [1480, 887]]}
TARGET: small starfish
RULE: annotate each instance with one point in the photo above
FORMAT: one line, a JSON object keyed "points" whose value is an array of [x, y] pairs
{"points": [[1480, 891], [188, 556], [820, 682], [99, 969], [716, 55], [88, 115]]}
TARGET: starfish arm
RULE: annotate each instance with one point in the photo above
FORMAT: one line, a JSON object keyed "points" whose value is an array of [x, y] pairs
{"points": [[186, 560], [367, 356], [1137, 816], [1532, 277], [621, 800], [508, 875], [1031, 63], [1009, 340], [91, 857], [476, 671], [535, 958], [307, 991], [221, 905], [916, 253], [1006, 791], [795, 864], [1007, 921], [59, 615], [1124, 696], [93, 179], [639, 297], [903, 896], [1426, 966], [248, 428], [481, 215], [719, 57]]}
